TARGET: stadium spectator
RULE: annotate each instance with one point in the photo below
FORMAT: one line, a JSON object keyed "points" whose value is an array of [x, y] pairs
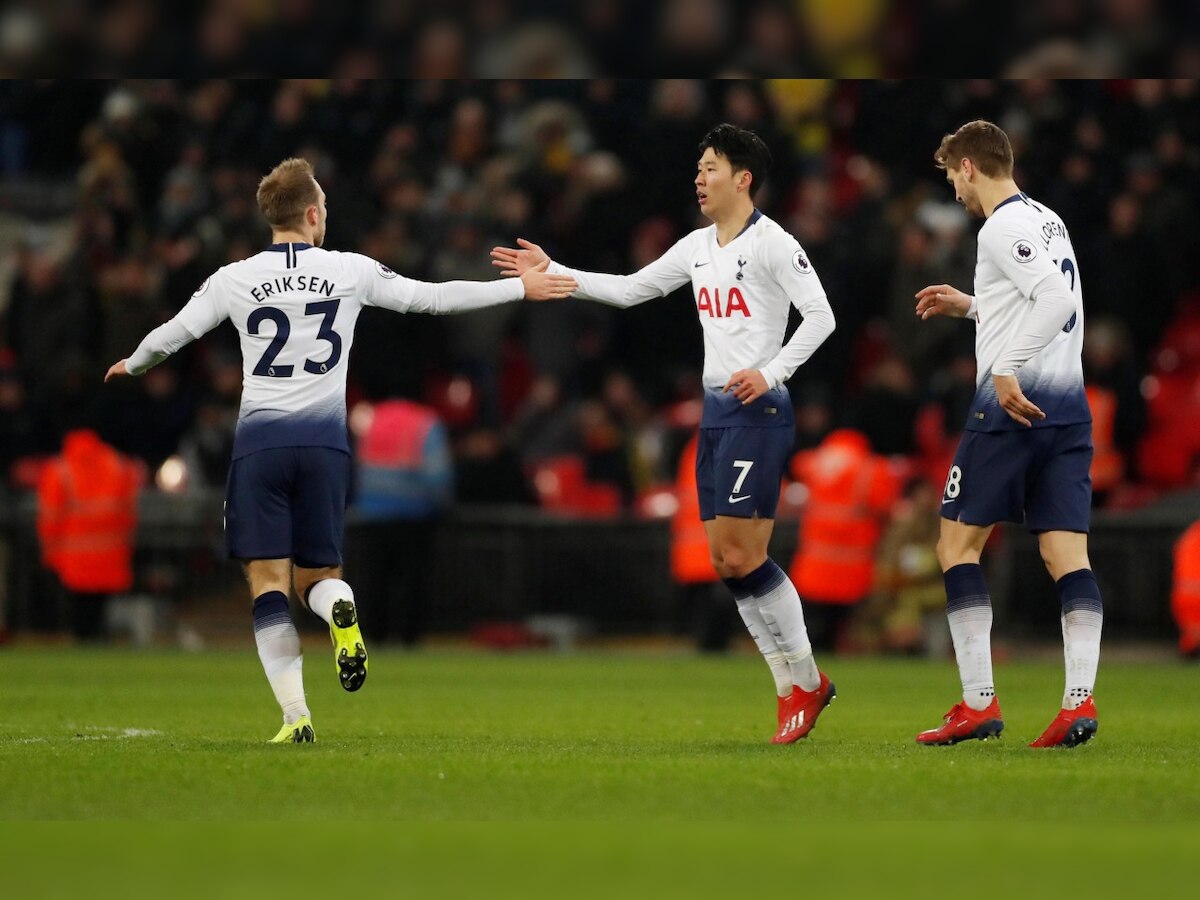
{"points": [[851, 492], [905, 612], [87, 513], [404, 485], [1185, 593]]}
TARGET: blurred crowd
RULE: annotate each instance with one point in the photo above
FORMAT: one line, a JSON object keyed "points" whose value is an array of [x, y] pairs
{"points": [[542, 38], [119, 198]]}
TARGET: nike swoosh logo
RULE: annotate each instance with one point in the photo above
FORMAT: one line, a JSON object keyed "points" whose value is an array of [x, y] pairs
{"points": [[739, 499], [698, 265], [944, 502]]}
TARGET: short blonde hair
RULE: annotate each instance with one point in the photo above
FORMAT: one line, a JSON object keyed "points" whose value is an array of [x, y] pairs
{"points": [[982, 142], [286, 192]]}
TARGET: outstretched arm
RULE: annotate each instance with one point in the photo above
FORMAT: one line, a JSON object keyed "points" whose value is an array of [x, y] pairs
{"points": [[201, 315], [658, 279], [395, 292]]}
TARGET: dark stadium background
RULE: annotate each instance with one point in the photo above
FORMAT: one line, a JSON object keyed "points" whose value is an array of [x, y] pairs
{"points": [[118, 198]]}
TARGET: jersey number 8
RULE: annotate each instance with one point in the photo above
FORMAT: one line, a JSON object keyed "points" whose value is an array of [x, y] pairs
{"points": [[954, 483]]}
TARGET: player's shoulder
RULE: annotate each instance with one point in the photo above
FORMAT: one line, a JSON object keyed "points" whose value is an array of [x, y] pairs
{"points": [[776, 245], [696, 238], [1017, 214], [766, 233], [1021, 228], [361, 264], [223, 279]]}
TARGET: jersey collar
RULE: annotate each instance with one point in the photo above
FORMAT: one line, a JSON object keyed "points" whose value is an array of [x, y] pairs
{"points": [[1018, 197], [289, 247], [754, 217]]}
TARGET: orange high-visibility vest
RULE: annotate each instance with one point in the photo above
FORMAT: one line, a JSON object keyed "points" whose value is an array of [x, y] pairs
{"points": [[1185, 592], [1108, 465], [850, 492], [87, 513], [691, 560]]}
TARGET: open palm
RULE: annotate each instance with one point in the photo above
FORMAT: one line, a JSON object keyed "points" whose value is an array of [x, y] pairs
{"points": [[515, 262]]}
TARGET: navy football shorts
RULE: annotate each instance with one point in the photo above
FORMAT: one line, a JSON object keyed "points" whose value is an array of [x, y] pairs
{"points": [[738, 470], [1038, 476], [288, 502]]}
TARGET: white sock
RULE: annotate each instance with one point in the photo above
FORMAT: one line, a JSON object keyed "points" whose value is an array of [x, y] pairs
{"points": [[326, 592], [780, 670], [781, 610], [969, 609], [279, 651], [1082, 620]]}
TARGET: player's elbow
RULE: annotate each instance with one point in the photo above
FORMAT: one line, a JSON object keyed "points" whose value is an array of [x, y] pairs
{"points": [[825, 323]]}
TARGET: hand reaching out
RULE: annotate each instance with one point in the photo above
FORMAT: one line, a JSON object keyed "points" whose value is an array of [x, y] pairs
{"points": [[942, 300], [116, 370], [541, 286], [516, 262]]}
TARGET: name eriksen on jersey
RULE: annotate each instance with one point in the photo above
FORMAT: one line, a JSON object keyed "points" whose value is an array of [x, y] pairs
{"points": [[283, 285]]}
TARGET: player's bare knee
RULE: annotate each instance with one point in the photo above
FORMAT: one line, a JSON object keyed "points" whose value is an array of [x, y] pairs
{"points": [[951, 553], [739, 561]]}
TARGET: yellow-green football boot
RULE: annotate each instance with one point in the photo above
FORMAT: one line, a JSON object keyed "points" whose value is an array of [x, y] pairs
{"points": [[349, 651], [299, 732]]}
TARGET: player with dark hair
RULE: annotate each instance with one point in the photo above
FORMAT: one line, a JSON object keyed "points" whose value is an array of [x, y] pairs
{"points": [[295, 306], [1027, 450], [745, 272]]}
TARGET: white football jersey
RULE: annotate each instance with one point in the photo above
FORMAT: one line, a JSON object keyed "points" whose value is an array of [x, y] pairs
{"points": [[295, 307], [1020, 245], [742, 292]]}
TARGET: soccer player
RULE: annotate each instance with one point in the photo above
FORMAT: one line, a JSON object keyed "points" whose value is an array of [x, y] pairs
{"points": [[294, 306], [1027, 449], [745, 273]]}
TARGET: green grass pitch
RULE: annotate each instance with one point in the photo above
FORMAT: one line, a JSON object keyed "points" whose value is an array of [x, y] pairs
{"points": [[609, 764]]}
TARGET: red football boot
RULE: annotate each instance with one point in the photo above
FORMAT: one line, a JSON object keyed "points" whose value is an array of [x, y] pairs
{"points": [[963, 723], [1071, 727], [798, 713]]}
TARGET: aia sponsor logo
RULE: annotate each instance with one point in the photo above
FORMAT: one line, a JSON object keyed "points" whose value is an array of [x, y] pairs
{"points": [[719, 307]]}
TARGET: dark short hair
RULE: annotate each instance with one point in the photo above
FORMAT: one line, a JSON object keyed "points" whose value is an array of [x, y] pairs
{"points": [[743, 148], [983, 143]]}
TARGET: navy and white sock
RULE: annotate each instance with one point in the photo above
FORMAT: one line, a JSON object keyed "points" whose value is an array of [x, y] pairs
{"points": [[969, 609], [279, 651], [326, 592], [748, 609], [1082, 619], [780, 607]]}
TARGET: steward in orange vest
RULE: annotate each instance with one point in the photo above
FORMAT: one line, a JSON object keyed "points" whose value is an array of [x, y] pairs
{"points": [[1108, 465], [851, 493], [1185, 594], [87, 514], [691, 559]]}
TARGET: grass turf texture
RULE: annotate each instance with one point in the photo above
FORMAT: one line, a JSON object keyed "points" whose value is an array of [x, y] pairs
{"points": [[590, 760]]}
